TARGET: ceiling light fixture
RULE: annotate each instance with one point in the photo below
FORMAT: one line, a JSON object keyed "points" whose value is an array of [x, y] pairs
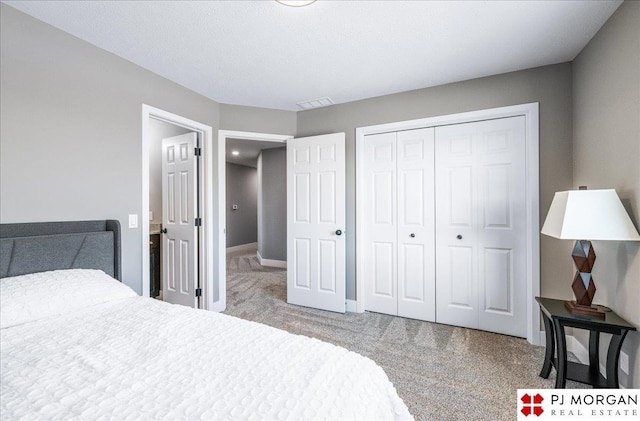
{"points": [[235, 153], [296, 3]]}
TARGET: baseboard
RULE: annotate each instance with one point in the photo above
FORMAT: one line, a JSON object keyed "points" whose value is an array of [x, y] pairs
{"points": [[241, 247], [543, 338], [351, 306], [271, 263], [573, 345], [579, 350]]}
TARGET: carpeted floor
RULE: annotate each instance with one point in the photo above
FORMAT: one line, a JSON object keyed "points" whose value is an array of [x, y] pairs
{"points": [[441, 372]]}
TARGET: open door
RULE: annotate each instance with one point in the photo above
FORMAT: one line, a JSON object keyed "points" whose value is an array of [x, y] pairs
{"points": [[179, 220], [316, 222]]}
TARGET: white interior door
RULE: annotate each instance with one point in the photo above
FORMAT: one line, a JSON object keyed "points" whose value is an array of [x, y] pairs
{"points": [[316, 222], [416, 224], [380, 219], [480, 225], [179, 199]]}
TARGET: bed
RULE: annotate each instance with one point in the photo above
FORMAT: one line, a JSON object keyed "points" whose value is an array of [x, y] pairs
{"points": [[76, 343]]}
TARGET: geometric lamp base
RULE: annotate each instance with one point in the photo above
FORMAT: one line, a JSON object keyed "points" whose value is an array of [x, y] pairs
{"points": [[575, 308], [583, 286]]}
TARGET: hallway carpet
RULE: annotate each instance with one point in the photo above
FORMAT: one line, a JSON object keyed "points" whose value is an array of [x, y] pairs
{"points": [[441, 372]]}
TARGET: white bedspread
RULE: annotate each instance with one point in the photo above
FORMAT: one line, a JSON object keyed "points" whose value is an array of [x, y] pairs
{"points": [[138, 358]]}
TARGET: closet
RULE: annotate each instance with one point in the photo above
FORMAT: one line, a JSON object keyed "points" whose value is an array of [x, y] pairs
{"points": [[445, 224]]}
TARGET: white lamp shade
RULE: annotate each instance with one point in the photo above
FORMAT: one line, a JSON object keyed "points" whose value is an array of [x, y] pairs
{"points": [[589, 215]]}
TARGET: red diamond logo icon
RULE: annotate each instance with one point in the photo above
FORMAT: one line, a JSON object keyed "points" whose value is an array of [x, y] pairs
{"points": [[532, 405]]}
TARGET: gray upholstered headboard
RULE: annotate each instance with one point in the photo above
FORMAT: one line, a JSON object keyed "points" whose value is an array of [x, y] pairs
{"points": [[42, 246]]}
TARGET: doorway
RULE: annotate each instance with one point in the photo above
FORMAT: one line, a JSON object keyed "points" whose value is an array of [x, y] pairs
{"points": [[315, 180], [256, 197], [190, 146], [246, 144]]}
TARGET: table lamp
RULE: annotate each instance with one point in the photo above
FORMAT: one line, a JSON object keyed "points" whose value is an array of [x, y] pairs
{"points": [[585, 215]]}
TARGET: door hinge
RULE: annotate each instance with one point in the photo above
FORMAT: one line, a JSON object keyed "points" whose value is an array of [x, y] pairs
{"points": [[197, 151], [198, 292], [198, 222]]}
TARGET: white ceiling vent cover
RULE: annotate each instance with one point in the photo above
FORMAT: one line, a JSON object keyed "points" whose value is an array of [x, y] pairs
{"points": [[315, 103]]}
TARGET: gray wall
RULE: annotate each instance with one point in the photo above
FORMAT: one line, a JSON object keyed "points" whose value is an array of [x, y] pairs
{"points": [[272, 204], [549, 85], [71, 129], [158, 130], [606, 124], [260, 120], [242, 190]]}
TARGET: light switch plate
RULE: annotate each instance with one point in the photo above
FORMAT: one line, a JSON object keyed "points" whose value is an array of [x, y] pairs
{"points": [[133, 221], [150, 215]]}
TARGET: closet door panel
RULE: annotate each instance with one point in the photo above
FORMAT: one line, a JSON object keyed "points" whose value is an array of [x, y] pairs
{"points": [[498, 275], [480, 225], [411, 282], [380, 218], [456, 236], [383, 265], [416, 253], [501, 161], [462, 278]]}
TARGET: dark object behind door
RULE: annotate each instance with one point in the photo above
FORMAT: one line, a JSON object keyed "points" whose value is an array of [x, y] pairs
{"points": [[154, 264]]}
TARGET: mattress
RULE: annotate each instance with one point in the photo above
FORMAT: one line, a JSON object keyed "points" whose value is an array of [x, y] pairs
{"points": [[77, 344]]}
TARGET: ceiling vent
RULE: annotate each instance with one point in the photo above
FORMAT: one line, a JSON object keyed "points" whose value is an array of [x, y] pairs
{"points": [[315, 103]]}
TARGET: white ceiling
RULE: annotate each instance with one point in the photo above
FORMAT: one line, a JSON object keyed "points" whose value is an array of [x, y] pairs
{"points": [[249, 150], [264, 54]]}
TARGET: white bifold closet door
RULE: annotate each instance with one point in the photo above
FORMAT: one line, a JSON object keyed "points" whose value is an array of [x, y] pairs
{"points": [[399, 216], [480, 225]]}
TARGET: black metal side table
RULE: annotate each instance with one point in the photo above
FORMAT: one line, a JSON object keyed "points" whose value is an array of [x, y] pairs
{"points": [[556, 317]]}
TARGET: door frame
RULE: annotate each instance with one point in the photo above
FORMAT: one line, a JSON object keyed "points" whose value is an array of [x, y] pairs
{"points": [[531, 113], [205, 249], [220, 149]]}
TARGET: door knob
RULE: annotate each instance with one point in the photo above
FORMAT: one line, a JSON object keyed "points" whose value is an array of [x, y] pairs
{"points": [[164, 230], [412, 235], [338, 232], [459, 236]]}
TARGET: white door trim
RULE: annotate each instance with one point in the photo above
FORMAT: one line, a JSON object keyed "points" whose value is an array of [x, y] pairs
{"points": [[206, 202], [531, 113], [219, 149]]}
